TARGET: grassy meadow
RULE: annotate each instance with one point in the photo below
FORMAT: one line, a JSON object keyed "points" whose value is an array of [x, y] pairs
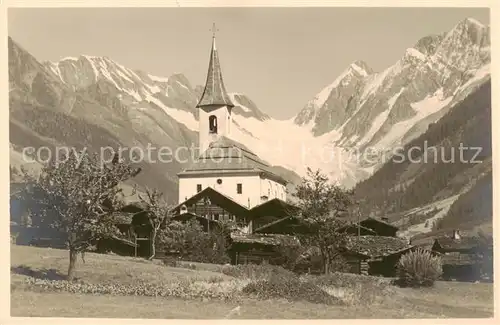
{"points": [[111, 286]]}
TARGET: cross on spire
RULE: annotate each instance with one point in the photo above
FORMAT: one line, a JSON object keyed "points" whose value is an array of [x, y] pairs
{"points": [[214, 30]]}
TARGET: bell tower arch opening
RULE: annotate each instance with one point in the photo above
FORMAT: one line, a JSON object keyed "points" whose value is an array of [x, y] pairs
{"points": [[212, 124]]}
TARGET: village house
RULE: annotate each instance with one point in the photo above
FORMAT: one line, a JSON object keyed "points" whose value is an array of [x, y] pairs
{"points": [[374, 255], [461, 255], [371, 248], [289, 224], [464, 255]]}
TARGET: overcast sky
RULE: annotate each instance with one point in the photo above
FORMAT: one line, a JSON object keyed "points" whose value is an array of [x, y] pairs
{"points": [[279, 57]]}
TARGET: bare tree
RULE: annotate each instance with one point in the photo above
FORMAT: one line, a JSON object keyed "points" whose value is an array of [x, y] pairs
{"points": [[158, 213]]}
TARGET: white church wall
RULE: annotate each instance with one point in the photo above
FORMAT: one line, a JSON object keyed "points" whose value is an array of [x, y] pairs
{"points": [[223, 115], [272, 189], [250, 187]]}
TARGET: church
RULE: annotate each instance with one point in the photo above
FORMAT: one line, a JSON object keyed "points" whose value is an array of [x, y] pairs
{"points": [[224, 166]]}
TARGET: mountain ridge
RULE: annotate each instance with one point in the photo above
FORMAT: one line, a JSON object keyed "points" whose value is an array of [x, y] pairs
{"points": [[360, 109]]}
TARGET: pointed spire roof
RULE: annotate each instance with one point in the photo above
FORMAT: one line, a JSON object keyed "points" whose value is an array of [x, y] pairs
{"points": [[214, 93]]}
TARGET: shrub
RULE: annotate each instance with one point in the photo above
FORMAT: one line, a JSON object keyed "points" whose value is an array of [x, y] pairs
{"points": [[311, 261], [418, 269], [13, 237], [254, 271], [353, 289], [291, 288], [194, 244], [190, 289], [289, 252], [339, 264], [170, 261]]}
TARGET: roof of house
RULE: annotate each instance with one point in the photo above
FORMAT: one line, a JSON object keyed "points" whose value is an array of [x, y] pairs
{"points": [[135, 207], [290, 223], [216, 198], [457, 258], [450, 243], [227, 156], [441, 233], [215, 92], [367, 220], [287, 224], [275, 207], [375, 246], [354, 226], [123, 218], [264, 239]]}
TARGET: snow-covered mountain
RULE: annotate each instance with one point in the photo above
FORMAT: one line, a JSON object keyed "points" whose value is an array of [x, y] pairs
{"points": [[363, 110], [96, 102], [351, 127], [359, 109]]}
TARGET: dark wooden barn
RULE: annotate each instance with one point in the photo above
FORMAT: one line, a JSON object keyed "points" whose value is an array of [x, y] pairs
{"points": [[368, 226], [258, 248], [371, 226], [374, 255], [271, 211], [461, 256]]}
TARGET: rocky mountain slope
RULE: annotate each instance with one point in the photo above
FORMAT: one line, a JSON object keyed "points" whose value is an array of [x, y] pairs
{"points": [[443, 178], [383, 110]]}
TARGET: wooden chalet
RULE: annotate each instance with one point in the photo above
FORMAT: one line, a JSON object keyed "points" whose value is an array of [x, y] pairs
{"points": [[371, 226], [462, 253], [371, 248], [209, 207], [368, 226], [461, 256], [212, 205], [258, 248], [275, 217], [374, 255], [246, 246], [206, 223]]}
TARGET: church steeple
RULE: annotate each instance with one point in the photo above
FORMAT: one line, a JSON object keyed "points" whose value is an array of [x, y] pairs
{"points": [[215, 92]]}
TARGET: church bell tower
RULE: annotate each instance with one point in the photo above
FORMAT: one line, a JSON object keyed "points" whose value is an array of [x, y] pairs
{"points": [[215, 105]]}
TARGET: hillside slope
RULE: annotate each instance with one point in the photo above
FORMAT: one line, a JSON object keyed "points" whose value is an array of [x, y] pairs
{"points": [[431, 178]]}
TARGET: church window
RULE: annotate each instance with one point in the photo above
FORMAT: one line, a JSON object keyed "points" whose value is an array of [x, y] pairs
{"points": [[212, 124], [198, 188], [239, 188], [219, 181]]}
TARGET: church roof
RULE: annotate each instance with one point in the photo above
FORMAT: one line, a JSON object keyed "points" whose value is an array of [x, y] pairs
{"points": [[215, 92], [227, 156]]}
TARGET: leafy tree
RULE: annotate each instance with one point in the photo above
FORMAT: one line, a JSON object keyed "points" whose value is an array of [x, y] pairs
{"points": [[322, 208], [78, 195]]}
